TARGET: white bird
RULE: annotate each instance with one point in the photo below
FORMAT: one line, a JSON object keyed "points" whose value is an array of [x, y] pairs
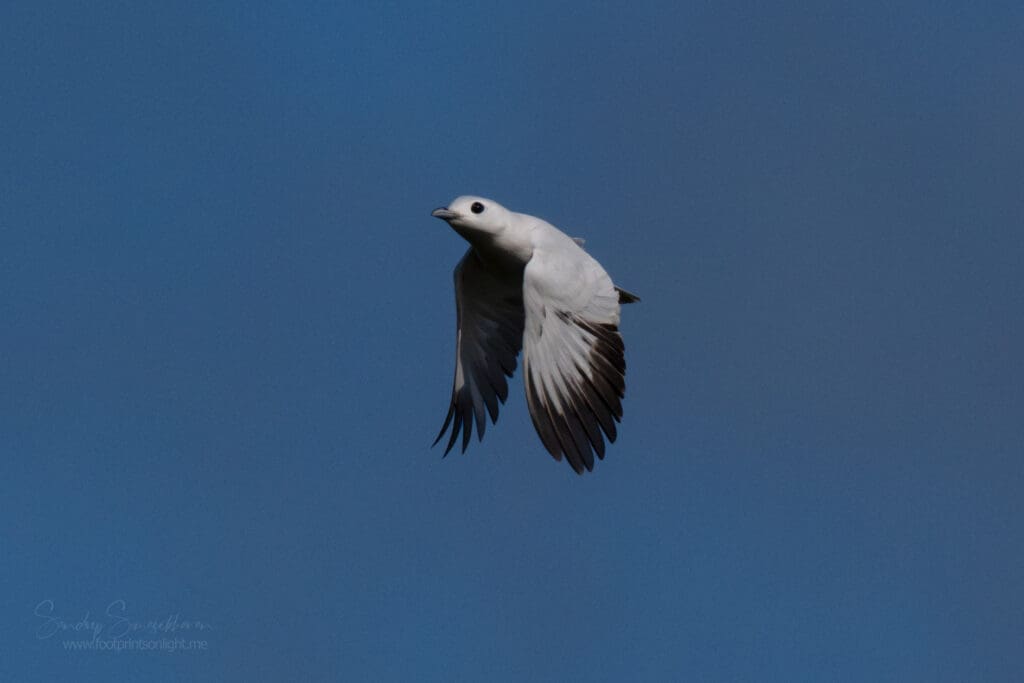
{"points": [[524, 284]]}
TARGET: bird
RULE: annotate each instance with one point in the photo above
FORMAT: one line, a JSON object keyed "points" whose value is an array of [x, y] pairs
{"points": [[523, 284]]}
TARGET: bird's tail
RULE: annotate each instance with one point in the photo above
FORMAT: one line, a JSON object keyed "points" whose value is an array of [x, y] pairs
{"points": [[626, 297]]}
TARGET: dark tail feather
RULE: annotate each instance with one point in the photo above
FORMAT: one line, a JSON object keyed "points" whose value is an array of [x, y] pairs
{"points": [[626, 297]]}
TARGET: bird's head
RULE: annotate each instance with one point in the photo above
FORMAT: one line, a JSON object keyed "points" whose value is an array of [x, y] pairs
{"points": [[468, 215]]}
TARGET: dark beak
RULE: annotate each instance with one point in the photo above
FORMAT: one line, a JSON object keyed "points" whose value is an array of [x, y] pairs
{"points": [[444, 214]]}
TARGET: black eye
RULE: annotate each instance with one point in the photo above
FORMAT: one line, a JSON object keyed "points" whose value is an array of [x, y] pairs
{"points": [[477, 207]]}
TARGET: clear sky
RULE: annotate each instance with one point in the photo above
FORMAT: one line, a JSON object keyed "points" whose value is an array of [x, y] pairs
{"points": [[228, 328]]}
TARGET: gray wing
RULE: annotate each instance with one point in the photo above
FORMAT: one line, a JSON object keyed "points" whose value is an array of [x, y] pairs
{"points": [[489, 335], [573, 360]]}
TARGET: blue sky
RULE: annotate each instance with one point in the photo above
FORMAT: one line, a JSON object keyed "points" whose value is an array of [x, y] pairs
{"points": [[228, 330]]}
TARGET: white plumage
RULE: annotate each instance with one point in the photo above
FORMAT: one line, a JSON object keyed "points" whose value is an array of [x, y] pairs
{"points": [[524, 284]]}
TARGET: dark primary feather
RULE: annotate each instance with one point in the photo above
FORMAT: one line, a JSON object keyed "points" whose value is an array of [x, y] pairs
{"points": [[589, 403], [489, 329]]}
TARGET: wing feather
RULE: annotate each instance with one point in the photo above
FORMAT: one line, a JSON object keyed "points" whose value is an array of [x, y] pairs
{"points": [[574, 359], [489, 335]]}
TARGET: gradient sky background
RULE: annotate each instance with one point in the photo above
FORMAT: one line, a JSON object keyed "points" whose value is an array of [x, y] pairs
{"points": [[228, 331]]}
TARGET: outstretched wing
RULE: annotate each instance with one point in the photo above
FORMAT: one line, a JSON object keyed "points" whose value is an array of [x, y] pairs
{"points": [[573, 362], [489, 315]]}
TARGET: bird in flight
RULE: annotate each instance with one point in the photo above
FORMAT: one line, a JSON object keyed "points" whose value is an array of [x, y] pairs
{"points": [[525, 285]]}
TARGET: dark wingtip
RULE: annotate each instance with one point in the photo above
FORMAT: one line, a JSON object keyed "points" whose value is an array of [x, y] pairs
{"points": [[444, 427], [448, 448], [456, 425], [467, 432]]}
